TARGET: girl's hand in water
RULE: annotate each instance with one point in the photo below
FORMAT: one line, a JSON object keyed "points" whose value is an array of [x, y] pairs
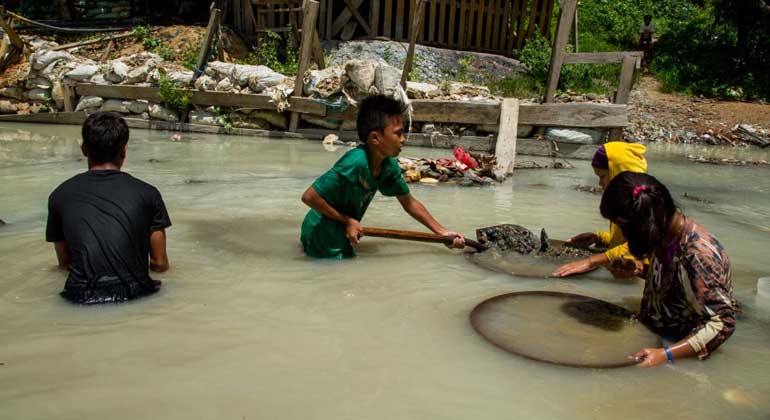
{"points": [[650, 357], [584, 239]]}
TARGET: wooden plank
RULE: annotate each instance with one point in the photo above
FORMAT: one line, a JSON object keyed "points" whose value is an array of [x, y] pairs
{"points": [[309, 16], [415, 30], [543, 13], [533, 18], [461, 30], [329, 18], [585, 115], [442, 26], [322, 17], [348, 30], [549, 13], [344, 17], [387, 19], [203, 55], [560, 42], [490, 18], [356, 14], [627, 68], [575, 34], [8, 28], [455, 111], [400, 16], [69, 118], [513, 17], [432, 20], [238, 100], [505, 148], [374, 17], [600, 58], [479, 23], [520, 31], [505, 28], [318, 53], [70, 96]]}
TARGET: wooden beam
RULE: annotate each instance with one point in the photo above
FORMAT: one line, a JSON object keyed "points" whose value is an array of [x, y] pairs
{"points": [[356, 14], [560, 42], [374, 16], [442, 26], [455, 112], [387, 23], [309, 16], [242, 100], [505, 149], [318, 52], [211, 30], [70, 96], [580, 115], [627, 68], [8, 28], [599, 58], [415, 30], [400, 15], [344, 17], [520, 26]]}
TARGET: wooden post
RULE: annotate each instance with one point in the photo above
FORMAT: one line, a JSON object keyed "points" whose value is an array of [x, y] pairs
{"points": [[575, 31], [203, 56], [627, 68], [357, 15], [70, 96], [318, 52], [505, 149], [309, 15], [8, 28], [560, 42], [415, 30]]}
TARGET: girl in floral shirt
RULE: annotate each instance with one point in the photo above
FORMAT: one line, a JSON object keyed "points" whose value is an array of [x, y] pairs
{"points": [[688, 292]]}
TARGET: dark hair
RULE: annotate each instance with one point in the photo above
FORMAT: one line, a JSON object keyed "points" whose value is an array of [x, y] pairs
{"points": [[373, 114], [104, 135], [643, 209], [647, 17]]}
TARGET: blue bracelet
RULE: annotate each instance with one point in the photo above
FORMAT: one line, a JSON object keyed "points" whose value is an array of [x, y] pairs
{"points": [[669, 354]]}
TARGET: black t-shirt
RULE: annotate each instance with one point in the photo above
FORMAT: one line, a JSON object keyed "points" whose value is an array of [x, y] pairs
{"points": [[106, 218]]}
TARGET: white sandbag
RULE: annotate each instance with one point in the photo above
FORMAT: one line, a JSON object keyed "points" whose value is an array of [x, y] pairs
{"points": [[205, 82], [138, 106], [38, 82], [361, 73], [200, 116], [82, 72], [219, 70], [43, 59], [160, 112], [117, 71], [38, 94], [14, 92], [98, 79], [181, 78], [386, 79], [324, 83], [88, 102], [137, 75], [264, 79], [57, 94], [224, 85], [115, 105]]}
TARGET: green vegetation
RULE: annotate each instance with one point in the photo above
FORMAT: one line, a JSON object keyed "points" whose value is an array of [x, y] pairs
{"points": [[171, 95], [515, 86], [152, 43], [267, 54], [462, 71]]}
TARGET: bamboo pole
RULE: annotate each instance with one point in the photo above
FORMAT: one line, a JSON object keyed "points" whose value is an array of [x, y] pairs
{"points": [[310, 13]]}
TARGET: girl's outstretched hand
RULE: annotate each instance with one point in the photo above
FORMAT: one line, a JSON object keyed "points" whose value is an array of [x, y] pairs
{"points": [[650, 357]]}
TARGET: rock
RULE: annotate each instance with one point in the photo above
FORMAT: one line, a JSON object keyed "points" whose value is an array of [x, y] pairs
{"points": [[117, 71], [206, 82], [224, 85], [160, 112], [89, 102], [219, 70], [137, 75], [274, 118], [324, 83], [82, 72], [12, 92], [199, 116], [138, 106], [240, 120], [321, 122], [419, 90], [487, 181], [563, 135], [467, 90], [500, 175], [115, 105], [387, 79], [42, 59], [38, 94], [361, 73]]}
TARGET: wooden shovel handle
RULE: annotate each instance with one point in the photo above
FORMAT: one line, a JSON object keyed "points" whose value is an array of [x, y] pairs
{"points": [[418, 236]]}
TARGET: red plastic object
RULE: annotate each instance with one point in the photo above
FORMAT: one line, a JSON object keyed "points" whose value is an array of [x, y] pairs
{"points": [[465, 158]]}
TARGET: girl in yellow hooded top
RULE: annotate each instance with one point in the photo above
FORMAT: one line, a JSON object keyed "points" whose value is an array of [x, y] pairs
{"points": [[609, 160]]}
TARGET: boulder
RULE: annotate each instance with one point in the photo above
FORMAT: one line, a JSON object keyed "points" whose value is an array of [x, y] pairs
{"points": [[137, 75], [117, 71], [82, 72], [160, 112], [89, 102], [274, 118], [138, 106], [115, 105], [387, 79]]}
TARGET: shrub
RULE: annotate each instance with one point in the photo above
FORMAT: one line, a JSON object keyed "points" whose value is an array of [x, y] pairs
{"points": [[171, 95]]}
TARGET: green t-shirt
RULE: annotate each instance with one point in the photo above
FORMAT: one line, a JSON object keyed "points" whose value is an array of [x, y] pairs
{"points": [[349, 187]]}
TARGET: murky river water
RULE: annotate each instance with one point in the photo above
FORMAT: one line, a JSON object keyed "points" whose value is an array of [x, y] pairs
{"points": [[247, 327]]}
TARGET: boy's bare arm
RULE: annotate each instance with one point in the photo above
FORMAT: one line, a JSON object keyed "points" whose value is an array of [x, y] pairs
{"points": [[62, 254], [158, 256], [353, 229], [418, 211]]}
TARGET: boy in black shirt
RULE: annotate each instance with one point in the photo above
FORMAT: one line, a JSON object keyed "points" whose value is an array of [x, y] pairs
{"points": [[104, 223]]}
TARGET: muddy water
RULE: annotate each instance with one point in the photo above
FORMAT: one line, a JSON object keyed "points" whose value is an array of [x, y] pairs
{"points": [[247, 327]]}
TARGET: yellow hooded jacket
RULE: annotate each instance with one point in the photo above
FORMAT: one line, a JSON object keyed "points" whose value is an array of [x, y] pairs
{"points": [[621, 157]]}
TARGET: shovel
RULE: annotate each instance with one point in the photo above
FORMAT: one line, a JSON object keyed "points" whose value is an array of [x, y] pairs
{"points": [[420, 237]]}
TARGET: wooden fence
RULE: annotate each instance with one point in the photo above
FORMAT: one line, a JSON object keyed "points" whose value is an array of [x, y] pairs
{"points": [[494, 26]]}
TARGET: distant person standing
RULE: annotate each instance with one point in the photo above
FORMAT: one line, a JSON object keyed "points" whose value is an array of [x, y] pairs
{"points": [[645, 38], [104, 223]]}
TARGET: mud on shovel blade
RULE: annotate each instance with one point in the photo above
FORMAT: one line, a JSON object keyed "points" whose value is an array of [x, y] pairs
{"points": [[509, 237]]}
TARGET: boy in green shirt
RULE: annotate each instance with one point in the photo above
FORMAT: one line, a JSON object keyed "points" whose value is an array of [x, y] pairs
{"points": [[338, 199]]}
